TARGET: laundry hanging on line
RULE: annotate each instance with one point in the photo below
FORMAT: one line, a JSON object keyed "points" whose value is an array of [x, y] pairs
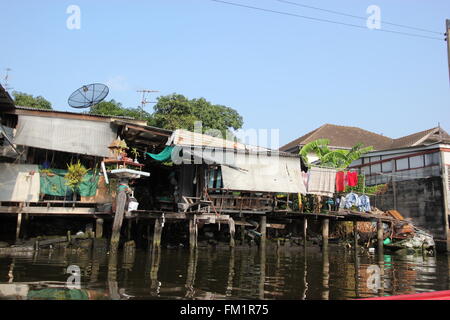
{"points": [[321, 181], [344, 179]]}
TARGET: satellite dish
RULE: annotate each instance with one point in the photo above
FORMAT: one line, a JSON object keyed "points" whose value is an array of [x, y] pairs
{"points": [[88, 95]]}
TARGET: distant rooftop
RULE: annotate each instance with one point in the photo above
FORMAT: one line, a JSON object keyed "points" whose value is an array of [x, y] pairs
{"points": [[344, 137]]}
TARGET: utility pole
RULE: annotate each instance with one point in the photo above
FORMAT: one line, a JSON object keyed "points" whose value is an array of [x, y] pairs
{"points": [[447, 34]]}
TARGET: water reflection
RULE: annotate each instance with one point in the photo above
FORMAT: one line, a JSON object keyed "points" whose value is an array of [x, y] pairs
{"points": [[238, 273]]}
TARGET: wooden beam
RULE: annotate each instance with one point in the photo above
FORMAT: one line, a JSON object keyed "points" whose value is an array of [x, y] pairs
{"points": [[51, 210]]}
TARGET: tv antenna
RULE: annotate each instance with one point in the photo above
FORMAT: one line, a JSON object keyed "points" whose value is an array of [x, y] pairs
{"points": [[6, 79], [144, 101], [88, 95]]}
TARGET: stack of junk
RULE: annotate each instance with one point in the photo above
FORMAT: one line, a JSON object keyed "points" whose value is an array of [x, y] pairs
{"points": [[400, 235]]}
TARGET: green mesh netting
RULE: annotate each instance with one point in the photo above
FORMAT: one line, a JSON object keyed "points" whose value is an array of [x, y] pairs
{"points": [[163, 155], [53, 184]]}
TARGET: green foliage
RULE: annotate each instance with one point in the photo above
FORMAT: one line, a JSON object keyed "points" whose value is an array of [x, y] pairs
{"points": [[361, 188], [176, 111], [340, 159], [114, 108], [27, 100], [74, 175]]}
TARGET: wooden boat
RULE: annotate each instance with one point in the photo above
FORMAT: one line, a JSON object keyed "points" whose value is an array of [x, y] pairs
{"points": [[436, 295]]}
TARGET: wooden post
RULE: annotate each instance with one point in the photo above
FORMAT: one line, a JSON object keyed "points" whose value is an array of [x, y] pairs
{"points": [[118, 219], [380, 235], [325, 232], [99, 228], [232, 232], [157, 232], [19, 222], [355, 235], [325, 274], [242, 234], [263, 230], [193, 232], [305, 231]]}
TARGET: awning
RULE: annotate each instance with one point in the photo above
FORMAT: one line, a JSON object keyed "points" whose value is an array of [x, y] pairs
{"points": [[264, 174], [68, 135]]}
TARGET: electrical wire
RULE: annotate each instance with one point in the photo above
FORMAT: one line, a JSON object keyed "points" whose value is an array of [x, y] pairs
{"points": [[356, 17], [322, 20]]}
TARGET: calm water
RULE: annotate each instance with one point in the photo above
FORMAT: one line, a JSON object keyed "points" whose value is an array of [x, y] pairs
{"points": [[220, 274]]}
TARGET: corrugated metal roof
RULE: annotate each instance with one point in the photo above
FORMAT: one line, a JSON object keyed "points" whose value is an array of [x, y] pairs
{"points": [[76, 113]]}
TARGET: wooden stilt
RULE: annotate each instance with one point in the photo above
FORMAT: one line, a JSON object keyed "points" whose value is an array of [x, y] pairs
{"points": [[129, 225], [25, 226], [355, 235], [263, 230], [157, 232], [19, 222], [99, 228], [232, 232], [193, 232], [305, 231], [118, 219], [325, 232], [380, 235]]}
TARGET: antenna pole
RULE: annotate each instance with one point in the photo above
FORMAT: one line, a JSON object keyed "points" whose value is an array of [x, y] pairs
{"points": [[144, 101], [447, 33], [7, 88]]}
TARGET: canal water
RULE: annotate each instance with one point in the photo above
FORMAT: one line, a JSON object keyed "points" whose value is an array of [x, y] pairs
{"points": [[219, 273]]}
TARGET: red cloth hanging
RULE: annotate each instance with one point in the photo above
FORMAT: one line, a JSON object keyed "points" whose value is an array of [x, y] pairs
{"points": [[352, 179], [340, 181]]}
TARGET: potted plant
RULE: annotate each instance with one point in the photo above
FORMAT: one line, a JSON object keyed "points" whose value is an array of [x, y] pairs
{"points": [[135, 153]]}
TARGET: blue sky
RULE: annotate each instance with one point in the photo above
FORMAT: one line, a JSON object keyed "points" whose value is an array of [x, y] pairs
{"points": [[277, 71]]}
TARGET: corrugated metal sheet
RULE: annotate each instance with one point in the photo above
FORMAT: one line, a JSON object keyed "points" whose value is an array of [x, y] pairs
{"points": [[183, 137], [68, 135], [19, 182]]}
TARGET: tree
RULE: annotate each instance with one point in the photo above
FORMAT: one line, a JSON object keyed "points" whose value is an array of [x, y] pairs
{"points": [[176, 111], [339, 159], [114, 108], [27, 100]]}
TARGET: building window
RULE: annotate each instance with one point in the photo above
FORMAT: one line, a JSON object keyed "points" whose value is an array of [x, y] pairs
{"points": [[366, 170], [402, 164], [416, 162], [431, 159], [375, 168], [386, 166]]}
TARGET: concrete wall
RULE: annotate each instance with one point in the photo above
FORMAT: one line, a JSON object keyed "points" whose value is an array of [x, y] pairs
{"points": [[419, 199]]}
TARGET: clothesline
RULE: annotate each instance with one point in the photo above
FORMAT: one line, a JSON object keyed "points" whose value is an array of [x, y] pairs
{"points": [[337, 169]]}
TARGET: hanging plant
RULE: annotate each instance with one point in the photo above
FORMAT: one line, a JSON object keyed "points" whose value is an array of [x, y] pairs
{"points": [[74, 175]]}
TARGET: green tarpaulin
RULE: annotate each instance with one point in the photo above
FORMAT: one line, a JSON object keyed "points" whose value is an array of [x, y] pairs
{"points": [[53, 184], [163, 155]]}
